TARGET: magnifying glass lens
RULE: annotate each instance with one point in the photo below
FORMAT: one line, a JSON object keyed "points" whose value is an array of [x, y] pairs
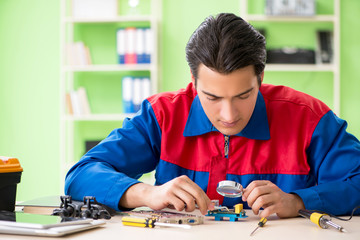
{"points": [[229, 189]]}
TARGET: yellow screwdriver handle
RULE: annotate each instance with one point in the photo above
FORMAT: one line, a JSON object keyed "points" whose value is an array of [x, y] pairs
{"points": [[138, 222], [262, 222]]}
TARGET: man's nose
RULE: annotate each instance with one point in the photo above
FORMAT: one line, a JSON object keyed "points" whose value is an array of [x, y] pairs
{"points": [[228, 111]]}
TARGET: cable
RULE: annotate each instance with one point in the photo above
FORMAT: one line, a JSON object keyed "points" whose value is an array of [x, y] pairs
{"points": [[340, 218]]}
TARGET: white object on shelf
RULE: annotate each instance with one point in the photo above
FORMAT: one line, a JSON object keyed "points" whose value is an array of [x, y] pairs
{"points": [[127, 94], [146, 88], [84, 102], [78, 54], [290, 7], [94, 8], [137, 98], [149, 43]]}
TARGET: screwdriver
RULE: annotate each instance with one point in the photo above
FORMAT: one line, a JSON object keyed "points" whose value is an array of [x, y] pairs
{"points": [[260, 224], [149, 222], [322, 220]]}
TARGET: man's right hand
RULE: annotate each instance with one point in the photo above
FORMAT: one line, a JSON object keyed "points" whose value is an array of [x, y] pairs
{"points": [[180, 193]]}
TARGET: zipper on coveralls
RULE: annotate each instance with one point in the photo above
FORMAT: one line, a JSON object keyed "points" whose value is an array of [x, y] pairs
{"points": [[226, 146]]}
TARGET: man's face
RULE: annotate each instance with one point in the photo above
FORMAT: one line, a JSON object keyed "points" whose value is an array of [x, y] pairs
{"points": [[228, 99]]}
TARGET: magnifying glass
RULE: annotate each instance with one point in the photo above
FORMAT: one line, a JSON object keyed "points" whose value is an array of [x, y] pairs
{"points": [[229, 189]]}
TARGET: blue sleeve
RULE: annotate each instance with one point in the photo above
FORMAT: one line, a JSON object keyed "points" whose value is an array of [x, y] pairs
{"points": [[111, 167], [334, 158]]}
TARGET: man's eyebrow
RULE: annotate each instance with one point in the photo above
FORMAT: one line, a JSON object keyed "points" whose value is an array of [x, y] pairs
{"points": [[243, 93], [238, 95], [210, 94]]}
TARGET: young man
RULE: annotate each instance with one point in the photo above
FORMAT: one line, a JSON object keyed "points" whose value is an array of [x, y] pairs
{"points": [[286, 148]]}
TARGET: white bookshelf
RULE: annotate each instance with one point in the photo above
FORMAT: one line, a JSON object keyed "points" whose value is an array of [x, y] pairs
{"points": [[108, 20], [67, 121], [334, 67]]}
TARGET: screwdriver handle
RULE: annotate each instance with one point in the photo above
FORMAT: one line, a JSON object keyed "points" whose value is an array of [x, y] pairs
{"points": [[262, 222], [138, 222]]}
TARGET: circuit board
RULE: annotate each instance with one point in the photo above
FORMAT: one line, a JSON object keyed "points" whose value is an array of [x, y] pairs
{"points": [[169, 217]]}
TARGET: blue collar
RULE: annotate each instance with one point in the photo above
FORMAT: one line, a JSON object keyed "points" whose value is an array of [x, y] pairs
{"points": [[257, 128]]}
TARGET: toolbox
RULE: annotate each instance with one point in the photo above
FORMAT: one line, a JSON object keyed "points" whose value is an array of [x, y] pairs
{"points": [[10, 175]]}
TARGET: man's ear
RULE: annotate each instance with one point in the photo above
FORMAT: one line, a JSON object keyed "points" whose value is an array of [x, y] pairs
{"points": [[192, 78], [262, 76]]}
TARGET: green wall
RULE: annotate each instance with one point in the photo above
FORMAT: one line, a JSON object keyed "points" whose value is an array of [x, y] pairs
{"points": [[29, 77], [29, 95]]}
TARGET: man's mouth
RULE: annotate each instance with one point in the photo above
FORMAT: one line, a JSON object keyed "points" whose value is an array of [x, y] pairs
{"points": [[229, 124]]}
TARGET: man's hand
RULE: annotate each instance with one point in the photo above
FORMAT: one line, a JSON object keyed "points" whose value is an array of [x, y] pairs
{"points": [[266, 195], [180, 193]]}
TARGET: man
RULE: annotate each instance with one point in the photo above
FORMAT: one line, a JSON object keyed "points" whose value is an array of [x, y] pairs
{"points": [[286, 148]]}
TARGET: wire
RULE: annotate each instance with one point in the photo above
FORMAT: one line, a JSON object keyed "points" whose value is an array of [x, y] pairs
{"points": [[340, 218]]}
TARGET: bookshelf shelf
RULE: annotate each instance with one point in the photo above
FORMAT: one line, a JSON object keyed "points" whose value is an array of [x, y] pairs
{"points": [[109, 20], [110, 68], [99, 117], [318, 18], [300, 67]]}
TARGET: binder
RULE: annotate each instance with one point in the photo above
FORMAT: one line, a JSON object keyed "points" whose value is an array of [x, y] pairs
{"points": [[130, 39], [137, 94], [140, 45], [120, 45], [127, 94], [148, 45]]}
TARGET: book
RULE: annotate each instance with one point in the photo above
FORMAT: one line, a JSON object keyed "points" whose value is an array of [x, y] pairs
{"points": [[137, 98], [120, 45], [149, 43], [325, 47], [127, 94], [41, 205], [77, 102], [78, 54], [134, 45], [83, 99], [145, 87], [68, 104], [134, 91], [130, 41], [140, 45]]}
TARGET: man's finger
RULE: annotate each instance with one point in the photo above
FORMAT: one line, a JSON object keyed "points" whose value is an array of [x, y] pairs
{"points": [[253, 185], [177, 203], [187, 198], [201, 199], [262, 201], [256, 193]]}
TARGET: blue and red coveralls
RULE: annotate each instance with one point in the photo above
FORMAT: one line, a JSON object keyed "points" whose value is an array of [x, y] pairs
{"points": [[292, 140]]}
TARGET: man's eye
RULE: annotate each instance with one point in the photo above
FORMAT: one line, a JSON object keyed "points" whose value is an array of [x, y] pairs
{"points": [[244, 96], [212, 98]]}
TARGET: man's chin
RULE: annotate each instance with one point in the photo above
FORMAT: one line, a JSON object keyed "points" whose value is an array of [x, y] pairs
{"points": [[230, 131]]}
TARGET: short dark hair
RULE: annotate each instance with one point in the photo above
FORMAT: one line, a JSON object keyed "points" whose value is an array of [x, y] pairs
{"points": [[226, 43]]}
